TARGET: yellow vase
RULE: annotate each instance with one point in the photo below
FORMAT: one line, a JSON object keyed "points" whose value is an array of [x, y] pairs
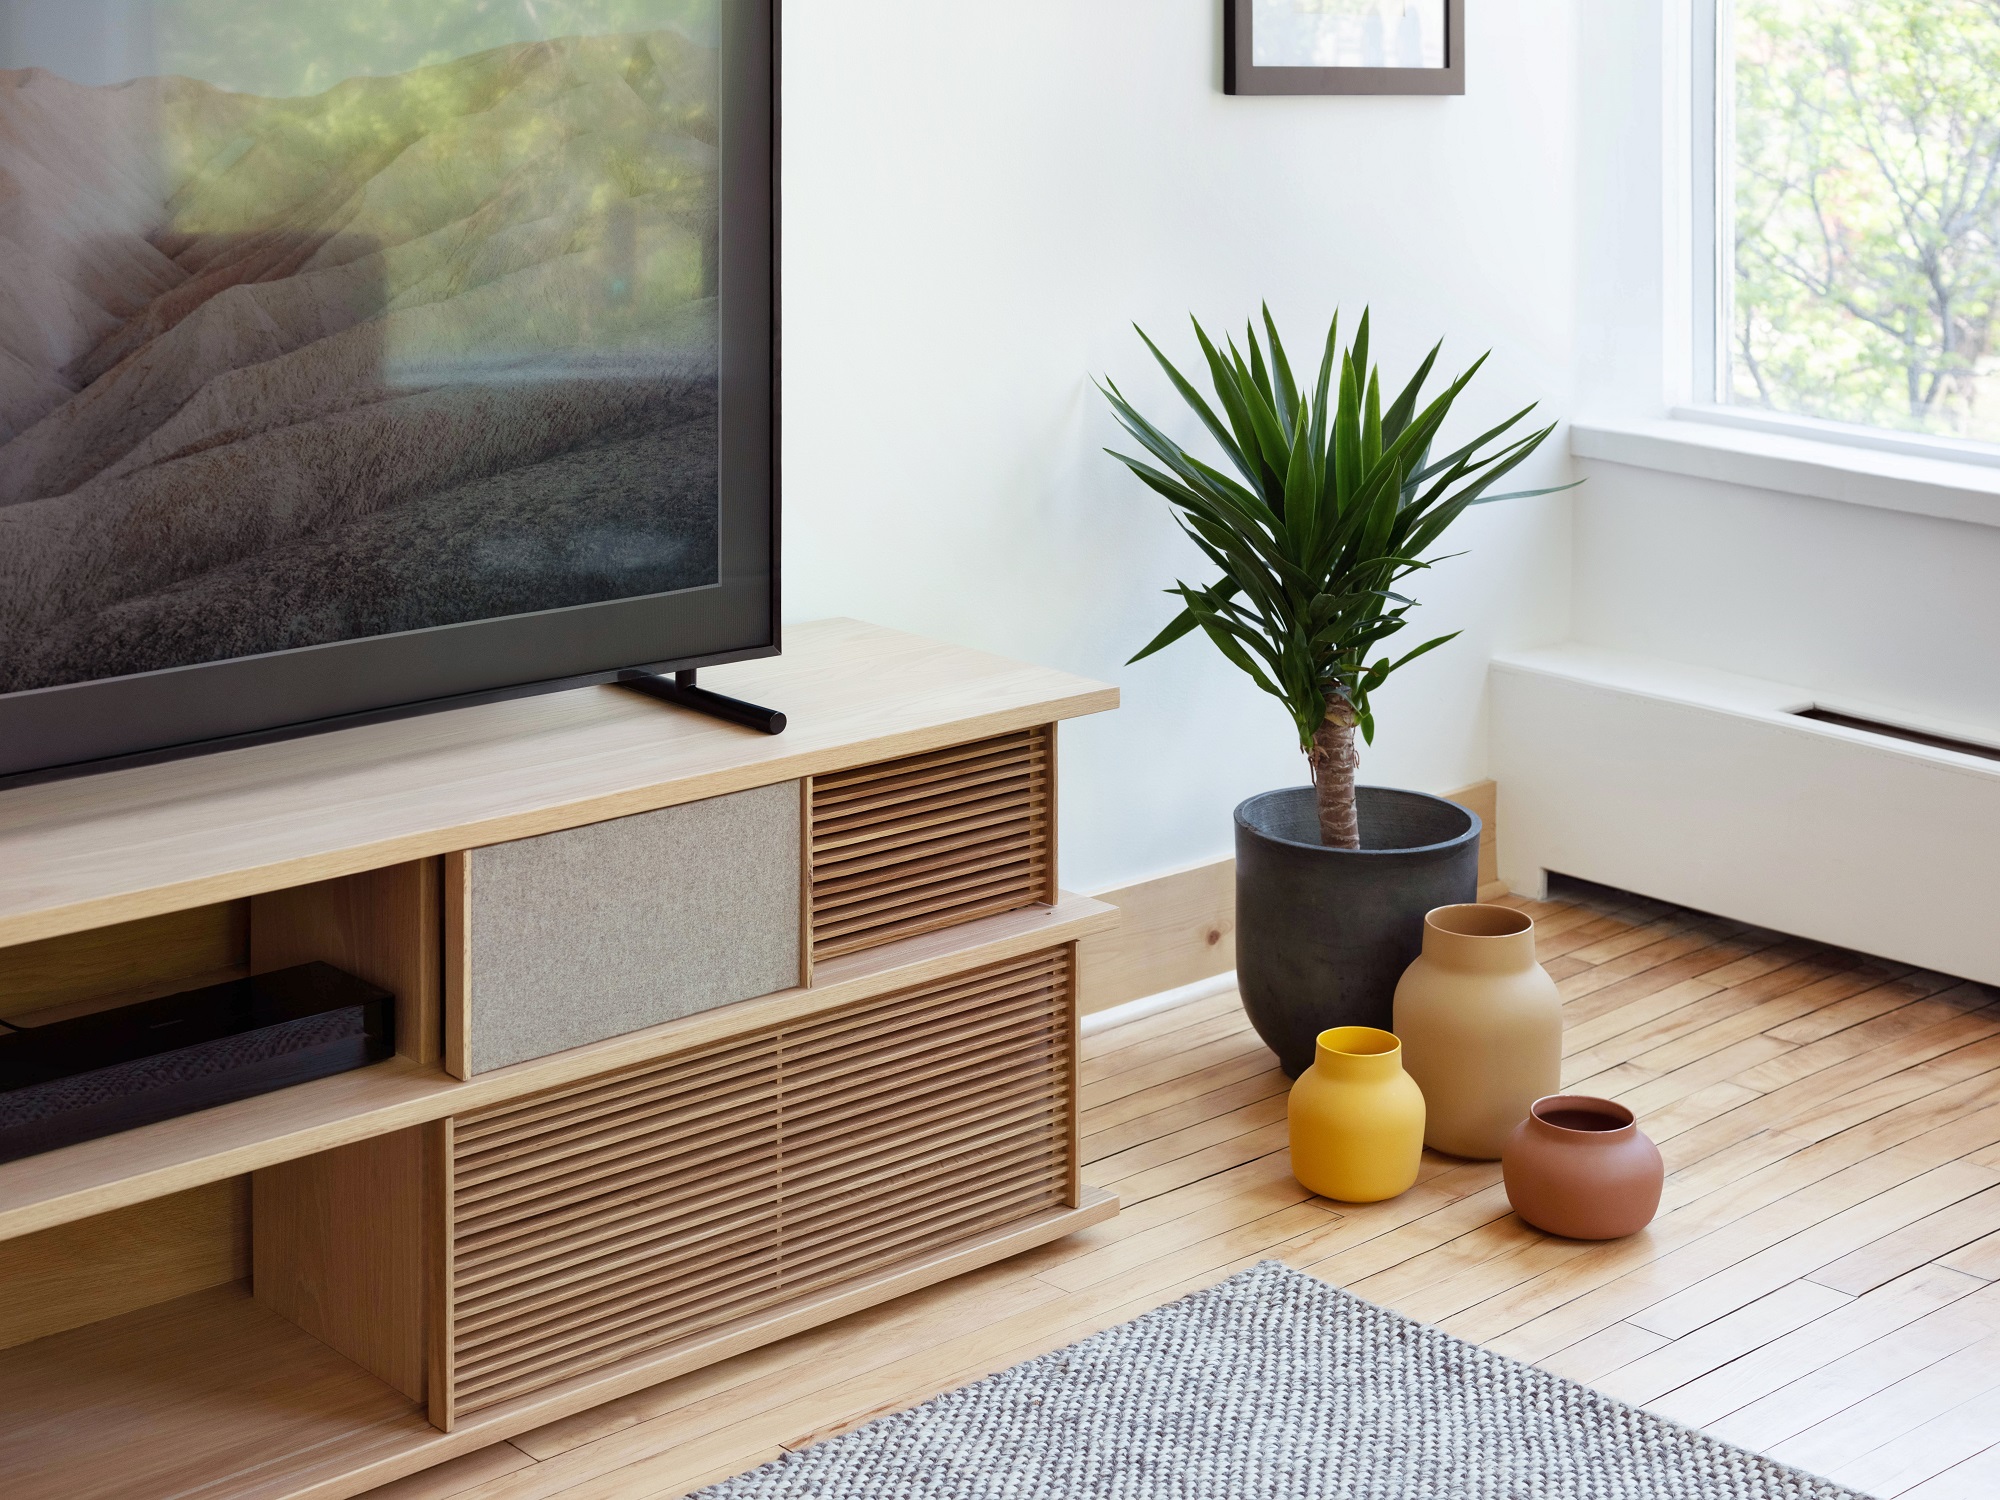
{"points": [[1357, 1119]]}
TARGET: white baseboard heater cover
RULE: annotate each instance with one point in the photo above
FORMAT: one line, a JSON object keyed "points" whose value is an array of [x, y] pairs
{"points": [[1709, 789]]}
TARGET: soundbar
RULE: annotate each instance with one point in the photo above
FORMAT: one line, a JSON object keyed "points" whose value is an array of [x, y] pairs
{"points": [[94, 1075]]}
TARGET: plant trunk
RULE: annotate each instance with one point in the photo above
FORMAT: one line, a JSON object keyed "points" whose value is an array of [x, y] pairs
{"points": [[1334, 761]]}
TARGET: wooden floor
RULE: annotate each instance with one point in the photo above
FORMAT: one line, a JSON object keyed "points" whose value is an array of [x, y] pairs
{"points": [[1822, 1284]]}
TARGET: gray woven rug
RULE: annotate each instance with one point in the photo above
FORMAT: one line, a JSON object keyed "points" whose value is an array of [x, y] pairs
{"points": [[1274, 1386]]}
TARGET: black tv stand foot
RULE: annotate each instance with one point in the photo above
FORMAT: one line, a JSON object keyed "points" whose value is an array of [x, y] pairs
{"points": [[680, 689]]}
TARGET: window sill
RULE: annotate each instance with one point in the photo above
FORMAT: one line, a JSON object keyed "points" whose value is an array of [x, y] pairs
{"points": [[1937, 487]]}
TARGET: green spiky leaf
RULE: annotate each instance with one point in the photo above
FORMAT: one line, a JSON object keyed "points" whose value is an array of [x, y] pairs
{"points": [[1338, 500]]}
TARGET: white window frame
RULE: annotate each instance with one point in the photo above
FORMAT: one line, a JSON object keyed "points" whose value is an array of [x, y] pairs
{"points": [[1711, 226]]}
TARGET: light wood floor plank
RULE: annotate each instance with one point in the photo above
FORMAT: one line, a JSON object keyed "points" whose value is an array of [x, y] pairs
{"points": [[1111, 1262], [1725, 1065], [1755, 1275], [1169, 1069], [1601, 955], [1592, 1357], [1169, 1048], [1637, 1028], [1751, 1021], [1137, 1187], [1691, 942], [1836, 1385], [1751, 1377], [1981, 1258], [1977, 1478], [1182, 1113], [1729, 1337], [1172, 1146], [1248, 1059], [1602, 1014], [1921, 1029], [1930, 1433], [1934, 1237], [1881, 999]]}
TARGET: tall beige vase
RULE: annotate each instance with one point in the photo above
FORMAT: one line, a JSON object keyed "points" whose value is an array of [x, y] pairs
{"points": [[1481, 1024]]}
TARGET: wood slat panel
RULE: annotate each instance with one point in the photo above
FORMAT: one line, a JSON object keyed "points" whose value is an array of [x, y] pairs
{"points": [[912, 845], [617, 1217]]}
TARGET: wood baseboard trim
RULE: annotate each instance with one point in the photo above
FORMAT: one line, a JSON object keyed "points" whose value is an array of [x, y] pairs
{"points": [[1179, 929]]}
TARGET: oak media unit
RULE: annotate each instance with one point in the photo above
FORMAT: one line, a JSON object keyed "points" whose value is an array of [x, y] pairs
{"points": [[704, 1037]]}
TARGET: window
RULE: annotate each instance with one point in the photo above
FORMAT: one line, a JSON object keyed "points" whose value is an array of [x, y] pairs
{"points": [[1856, 212]]}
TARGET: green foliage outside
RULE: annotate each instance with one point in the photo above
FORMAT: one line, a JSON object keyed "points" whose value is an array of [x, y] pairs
{"points": [[1867, 212]]}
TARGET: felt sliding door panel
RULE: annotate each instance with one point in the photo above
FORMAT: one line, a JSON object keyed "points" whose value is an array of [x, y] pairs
{"points": [[592, 932]]}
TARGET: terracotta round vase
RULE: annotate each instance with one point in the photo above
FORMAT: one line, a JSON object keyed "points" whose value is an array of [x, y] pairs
{"points": [[1582, 1168], [1357, 1121], [1481, 1024]]}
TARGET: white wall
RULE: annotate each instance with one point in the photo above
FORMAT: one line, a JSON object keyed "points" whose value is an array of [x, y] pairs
{"points": [[979, 201], [1894, 611]]}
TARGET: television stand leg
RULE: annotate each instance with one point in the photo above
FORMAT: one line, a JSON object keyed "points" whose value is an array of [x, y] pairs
{"points": [[680, 689]]}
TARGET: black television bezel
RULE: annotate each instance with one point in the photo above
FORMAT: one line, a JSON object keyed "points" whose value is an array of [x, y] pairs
{"points": [[84, 727]]}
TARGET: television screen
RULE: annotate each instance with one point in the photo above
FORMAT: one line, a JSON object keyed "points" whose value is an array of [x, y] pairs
{"points": [[367, 354]]}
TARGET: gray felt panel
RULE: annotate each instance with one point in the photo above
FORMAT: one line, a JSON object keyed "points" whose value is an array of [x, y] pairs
{"points": [[596, 931]]}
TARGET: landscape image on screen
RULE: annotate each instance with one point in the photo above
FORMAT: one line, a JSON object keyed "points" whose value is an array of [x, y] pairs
{"points": [[342, 318]]}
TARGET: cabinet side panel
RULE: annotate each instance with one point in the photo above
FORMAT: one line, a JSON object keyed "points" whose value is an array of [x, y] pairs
{"points": [[440, 1230], [1051, 820], [381, 925], [805, 882], [457, 1003], [602, 930], [1072, 1103], [341, 1246]]}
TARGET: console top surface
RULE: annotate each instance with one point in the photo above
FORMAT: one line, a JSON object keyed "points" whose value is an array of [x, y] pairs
{"points": [[126, 844]]}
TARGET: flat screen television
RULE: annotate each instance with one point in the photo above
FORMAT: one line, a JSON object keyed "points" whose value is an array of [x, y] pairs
{"points": [[365, 356]]}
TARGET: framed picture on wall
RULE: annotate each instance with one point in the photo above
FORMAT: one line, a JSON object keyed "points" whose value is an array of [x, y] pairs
{"points": [[1343, 46]]}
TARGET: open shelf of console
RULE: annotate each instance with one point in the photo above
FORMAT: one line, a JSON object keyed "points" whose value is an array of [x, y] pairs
{"points": [[76, 1182], [213, 1396]]}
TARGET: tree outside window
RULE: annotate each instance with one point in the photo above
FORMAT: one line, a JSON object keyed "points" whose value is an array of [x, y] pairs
{"points": [[1867, 212]]}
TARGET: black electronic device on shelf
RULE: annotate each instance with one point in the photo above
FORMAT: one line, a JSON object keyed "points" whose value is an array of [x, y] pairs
{"points": [[93, 1075]]}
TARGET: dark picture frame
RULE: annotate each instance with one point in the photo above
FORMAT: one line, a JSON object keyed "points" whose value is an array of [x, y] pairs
{"points": [[109, 723], [1241, 75]]}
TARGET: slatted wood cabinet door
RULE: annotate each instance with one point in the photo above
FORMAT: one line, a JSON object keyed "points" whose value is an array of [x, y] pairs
{"points": [[912, 845], [603, 1223]]}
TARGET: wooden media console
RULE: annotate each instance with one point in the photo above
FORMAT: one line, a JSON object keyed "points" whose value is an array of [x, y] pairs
{"points": [[704, 1037]]}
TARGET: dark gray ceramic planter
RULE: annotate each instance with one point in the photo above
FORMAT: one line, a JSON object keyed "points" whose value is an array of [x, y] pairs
{"points": [[1322, 935]]}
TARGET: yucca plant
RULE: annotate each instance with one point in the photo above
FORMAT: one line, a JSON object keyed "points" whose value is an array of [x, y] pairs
{"points": [[1337, 501]]}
